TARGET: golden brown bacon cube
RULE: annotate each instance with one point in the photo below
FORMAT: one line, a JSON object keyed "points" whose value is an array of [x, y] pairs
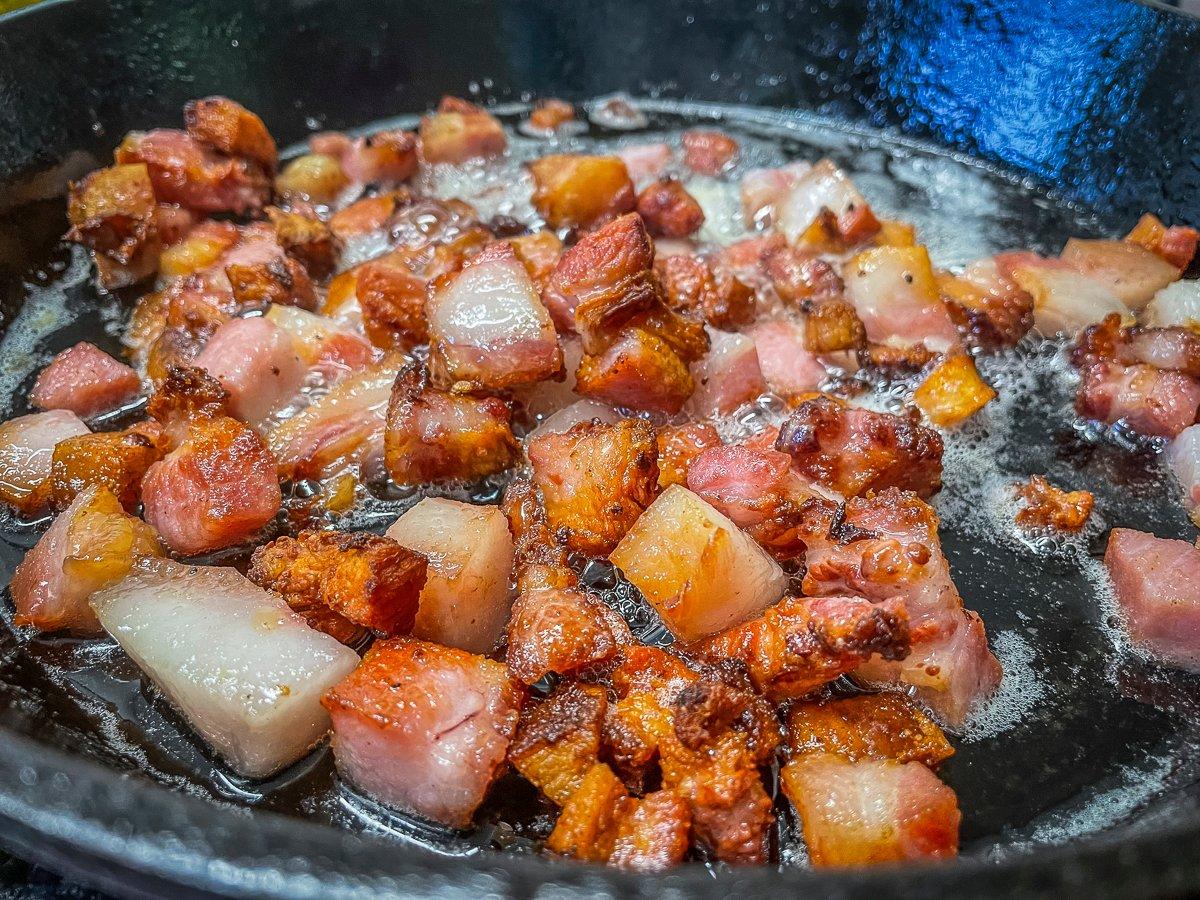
{"points": [[542, 562], [639, 371], [800, 276], [723, 300], [186, 393], [172, 328], [869, 726], [596, 479], [562, 631], [559, 739], [654, 833], [392, 298], [307, 239], [708, 152], [114, 460], [669, 210], [1177, 244], [186, 171], [833, 325], [993, 310], [587, 826], [1047, 506], [112, 213], [577, 191], [678, 446], [280, 280], [435, 435], [459, 131], [853, 450], [367, 579], [232, 129]]}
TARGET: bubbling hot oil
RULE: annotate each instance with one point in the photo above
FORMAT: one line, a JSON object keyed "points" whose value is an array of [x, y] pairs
{"points": [[89, 697]]}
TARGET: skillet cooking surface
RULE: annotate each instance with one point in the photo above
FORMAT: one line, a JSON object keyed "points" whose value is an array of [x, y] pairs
{"points": [[1085, 735]]}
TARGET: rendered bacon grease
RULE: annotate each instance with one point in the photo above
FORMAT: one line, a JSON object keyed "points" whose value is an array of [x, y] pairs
{"points": [[656, 384]]}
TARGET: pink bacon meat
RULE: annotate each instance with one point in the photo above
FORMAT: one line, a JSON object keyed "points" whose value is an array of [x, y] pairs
{"points": [[85, 380]]}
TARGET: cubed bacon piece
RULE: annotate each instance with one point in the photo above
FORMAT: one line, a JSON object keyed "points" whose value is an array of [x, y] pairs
{"points": [[307, 239], [369, 580], [1158, 590], [198, 249], [186, 395], [114, 460], [1183, 456], [244, 670], [93, 543], [678, 448], [279, 279], [638, 371], [558, 740], [587, 826], [382, 158], [953, 391], [696, 567], [595, 480], [645, 162], [569, 416], [852, 451], [757, 490], [435, 435], [323, 344], [762, 189], [896, 296], [256, 362], [708, 152], [231, 128], [1148, 400], [549, 114], [27, 452], [542, 561], [1131, 272], [885, 545], [867, 726], [113, 213], [800, 277], [561, 631], [488, 327], [175, 333], [460, 131], [392, 298], [871, 811], [576, 191], [1177, 305], [539, 252], [993, 310], [690, 285], [802, 643], [1177, 244], [185, 171], [668, 210], [362, 217], [831, 326], [728, 376], [85, 380], [654, 833], [1064, 299], [424, 728], [466, 599], [1047, 506], [824, 192], [216, 490], [313, 178], [342, 431], [787, 365]]}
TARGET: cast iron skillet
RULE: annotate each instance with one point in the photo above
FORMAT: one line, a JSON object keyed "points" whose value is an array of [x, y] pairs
{"points": [[1094, 101]]}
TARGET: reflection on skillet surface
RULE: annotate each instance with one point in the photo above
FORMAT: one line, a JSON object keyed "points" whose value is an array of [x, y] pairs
{"points": [[1082, 733]]}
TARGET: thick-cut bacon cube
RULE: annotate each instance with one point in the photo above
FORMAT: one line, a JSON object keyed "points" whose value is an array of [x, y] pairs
{"points": [[312, 178], [1064, 299], [587, 826], [1183, 456], [761, 190], [853, 451], [728, 376], [369, 580], [382, 158], [488, 327], [1130, 271], [825, 191], [561, 631], [994, 311], [802, 643], [231, 128], [460, 131], [697, 568], [691, 285], [653, 834], [199, 249], [1157, 582], [332, 349], [279, 279], [576, 191], [113, 213], [1049, 507], [638, 371], [708, 152], [466, 599], [85, 380], [256, 362], [871, 811], [668, 210], [678, 448], [868, 726], [833, 325], [788, 366], [1149, 400], [215, 490], [185, 171], [435, 435], [559, 739], [27, 451], [114, 460], [953, 391], [896, 296], [645, 162], [801, 277], [1177, 244], [392, 298], [595, 480], [307, 239], [1177, 305], [93, 543], [424, 728]]}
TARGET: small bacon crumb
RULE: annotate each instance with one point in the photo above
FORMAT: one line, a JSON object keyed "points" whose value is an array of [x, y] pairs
{"points": [[1049, 507]]}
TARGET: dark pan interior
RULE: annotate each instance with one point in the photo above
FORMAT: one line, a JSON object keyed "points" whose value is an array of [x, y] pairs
{"points": [[1088, 102]]}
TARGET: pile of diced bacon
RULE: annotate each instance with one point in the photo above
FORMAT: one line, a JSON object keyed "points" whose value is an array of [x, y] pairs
{"points": [[328, 324]]}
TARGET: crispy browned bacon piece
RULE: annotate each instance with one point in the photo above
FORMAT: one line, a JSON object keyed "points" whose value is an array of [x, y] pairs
{"points": [[306, 238], [690, 285], [668, 210], [801, 277], [1047, 506], [564, 631], [1176, 244], [113, 213], [231, 128], [558, 740], [114, 460], [869, 726], [639, 371], [679, 446], [576, 191], [459, 131]]}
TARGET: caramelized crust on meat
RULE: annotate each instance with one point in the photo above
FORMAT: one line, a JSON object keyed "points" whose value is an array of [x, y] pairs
{"points": [[1047, 506], [577, 191], [541, 560], [392, 298], [853, 451], [654, 833], [639, 371], [558, 740], [896, 361], [995, 313], [802, 643], [115, 460], [435, 435], [112, 213], [562, 631], [595, 480], [189, 172], [280, 280], [587, 826], [723, 300], [869, 726], [678, 445], [185, 394], [801, 277], [366, 579], [669, 210], [173, 326], [1177, 244], [307, 239], [833, 325], [953, 391], [231, 128]]}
